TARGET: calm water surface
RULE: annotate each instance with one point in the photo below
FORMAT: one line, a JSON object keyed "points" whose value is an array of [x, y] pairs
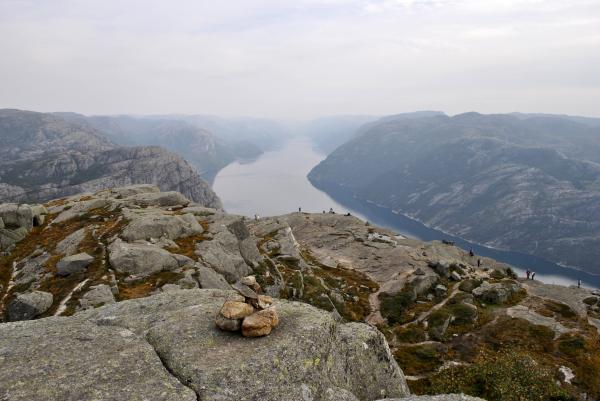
{"points": [[276, 183]]}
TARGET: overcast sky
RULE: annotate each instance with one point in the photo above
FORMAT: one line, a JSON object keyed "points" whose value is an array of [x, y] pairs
{"points": [[300, 58]]}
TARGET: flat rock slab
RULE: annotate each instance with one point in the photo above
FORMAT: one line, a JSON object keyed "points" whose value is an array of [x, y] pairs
{"points": [[63, 359], [307, 356], [523, 312]]}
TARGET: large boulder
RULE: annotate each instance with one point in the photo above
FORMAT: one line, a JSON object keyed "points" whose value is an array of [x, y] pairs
{"points": [[63, 359], [73, 264], [496, 293], [162, 199], [17, 220], [14, 215], [155, 224], [309, 356], [140, 259], [96, 296], [29, 305]]}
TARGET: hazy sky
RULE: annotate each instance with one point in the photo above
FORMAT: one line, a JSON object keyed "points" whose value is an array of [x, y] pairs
{"points": [[300, 58]]}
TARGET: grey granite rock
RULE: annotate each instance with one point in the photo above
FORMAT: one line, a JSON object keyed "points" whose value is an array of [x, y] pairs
{"points": [[73, 264], [209, 278], [145, 225], [29, 305], [140, 259], [305, 356], [70, 244], [63, 359], [96, 296]]}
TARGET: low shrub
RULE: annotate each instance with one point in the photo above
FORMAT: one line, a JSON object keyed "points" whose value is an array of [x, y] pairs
{"points": [[503, 377]]}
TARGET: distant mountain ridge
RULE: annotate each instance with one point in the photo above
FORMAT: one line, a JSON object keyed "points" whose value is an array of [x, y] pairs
{"points": [[524, 183], [45, 156], [199, 146]]}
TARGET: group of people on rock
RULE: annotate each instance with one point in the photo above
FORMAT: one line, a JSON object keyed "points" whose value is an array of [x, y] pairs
{"points": [[530, 274]]}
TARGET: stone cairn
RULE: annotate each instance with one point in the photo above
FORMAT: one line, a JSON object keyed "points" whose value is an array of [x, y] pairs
{"points": [[251, 312]]}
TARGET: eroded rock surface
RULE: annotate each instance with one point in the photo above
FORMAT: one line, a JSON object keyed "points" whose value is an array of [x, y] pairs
{"points": [[308, 353]]}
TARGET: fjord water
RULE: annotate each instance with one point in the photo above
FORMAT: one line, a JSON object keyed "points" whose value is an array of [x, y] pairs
{"points": [[275, 183]]}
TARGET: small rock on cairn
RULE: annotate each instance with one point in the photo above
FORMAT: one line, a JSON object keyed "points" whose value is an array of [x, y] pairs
{"points": [[255, 315]]}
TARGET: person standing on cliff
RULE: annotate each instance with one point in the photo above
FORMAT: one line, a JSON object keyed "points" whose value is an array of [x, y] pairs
{"points": [[528, 273], [533, 276]]}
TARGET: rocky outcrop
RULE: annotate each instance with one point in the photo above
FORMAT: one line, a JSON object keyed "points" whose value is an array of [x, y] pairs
{"points": [[496, 293], [44, 157], [166, 347], [433, 322], [16, 221], [145, 225]]}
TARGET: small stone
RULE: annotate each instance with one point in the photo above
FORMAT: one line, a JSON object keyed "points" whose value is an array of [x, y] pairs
{"points": [[264, 301], [440, 290], [455, 276], [228, 324], [236, 310], [271, 313], [250, 281], [260, 323], [245, 291]]}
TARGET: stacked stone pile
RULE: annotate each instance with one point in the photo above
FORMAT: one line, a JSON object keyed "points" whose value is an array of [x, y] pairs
{"points": [[251, 311]]}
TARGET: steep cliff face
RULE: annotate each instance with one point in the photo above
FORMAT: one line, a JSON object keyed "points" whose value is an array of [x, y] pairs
{"points": [[529, 184], [45, 156]]}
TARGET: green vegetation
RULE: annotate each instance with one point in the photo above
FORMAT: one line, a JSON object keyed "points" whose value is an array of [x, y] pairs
{"points": [[410, 334], [420, 359], [393, 307], [508, 376]]}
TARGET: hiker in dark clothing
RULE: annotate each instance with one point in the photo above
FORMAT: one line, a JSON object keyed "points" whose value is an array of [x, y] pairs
{"points": [[533, 276], [578, 283], [299, 210], [471, 252], [478, 262], [528, 273]]}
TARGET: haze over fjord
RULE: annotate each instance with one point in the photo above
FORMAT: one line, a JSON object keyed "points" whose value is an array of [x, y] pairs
{"points": [[300, 59]]}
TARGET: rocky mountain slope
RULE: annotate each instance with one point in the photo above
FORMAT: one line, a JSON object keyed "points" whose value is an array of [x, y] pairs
{"points": [[330, 132], [526, 183], [125, 265], [199, 146], [44, 156]]}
